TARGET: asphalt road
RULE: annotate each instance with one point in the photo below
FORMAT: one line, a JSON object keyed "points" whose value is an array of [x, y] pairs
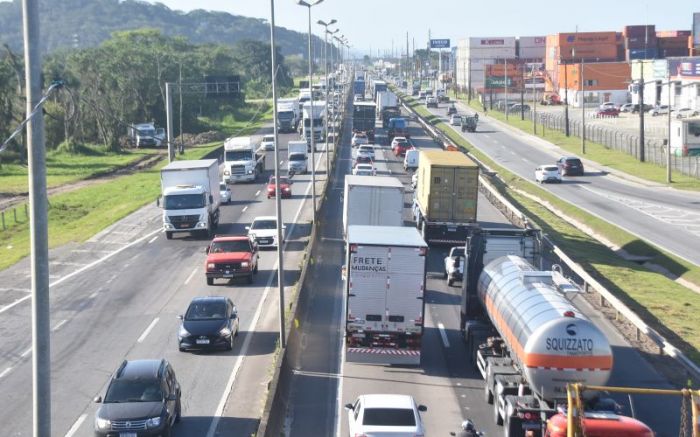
{"points": [[446, 383], [665, 217], [118, 296]]}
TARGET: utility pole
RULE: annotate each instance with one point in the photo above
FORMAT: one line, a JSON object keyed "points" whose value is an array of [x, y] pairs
{"points": [[505, 84], [566, 99], [169, 121], [522, 91], [583, 111], [469, 80], [39, 234], [668, 143], [641, 114], [534, 101]]}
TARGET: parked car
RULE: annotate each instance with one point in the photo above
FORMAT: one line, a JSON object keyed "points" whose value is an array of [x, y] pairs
{"points": [[627, 107], [547, 173], [645, 108], [570, 166], [225, 193], [231, 256], [607, 113], [517, 107], [364, 170], [686, 112], [608, 105], [456, 120], [268, 142], [263, 230], [659, 110], [209, 323], [142, 399], [285, 188], [385, 414], [359, 138]]}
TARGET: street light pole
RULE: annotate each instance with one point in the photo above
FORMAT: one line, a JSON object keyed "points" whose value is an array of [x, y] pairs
{"points": [[325, 61], [311, 116], [583, 111]]}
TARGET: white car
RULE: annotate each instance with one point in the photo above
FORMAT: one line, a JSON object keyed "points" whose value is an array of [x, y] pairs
{"points": [[225, 193], [385, 414], [456, 120], [268, 142], [263, 231], [547, 173], [364, 170], [366, 150], [607, 105], [659, 110], [359, 138], [627, 107], [686, 112]]}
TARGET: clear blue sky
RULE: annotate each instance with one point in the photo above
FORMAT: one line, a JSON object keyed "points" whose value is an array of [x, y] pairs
{"points": [[376, 22]]}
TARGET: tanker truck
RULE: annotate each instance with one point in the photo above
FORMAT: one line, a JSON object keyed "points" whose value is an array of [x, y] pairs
{"points": [[526, 338]]}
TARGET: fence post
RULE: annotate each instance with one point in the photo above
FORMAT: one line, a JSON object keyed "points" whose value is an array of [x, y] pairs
{"points": [[14, 211], [2, 214], [26, 211]]}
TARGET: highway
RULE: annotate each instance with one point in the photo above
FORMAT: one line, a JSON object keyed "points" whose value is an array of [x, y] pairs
{"points": [[665, 217], [118, 295], [445, 382]]}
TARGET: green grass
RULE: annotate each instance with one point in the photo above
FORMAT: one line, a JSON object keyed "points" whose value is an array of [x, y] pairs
{"points": [[598, 152], [240, 121], [667, 306], [63, 168]]}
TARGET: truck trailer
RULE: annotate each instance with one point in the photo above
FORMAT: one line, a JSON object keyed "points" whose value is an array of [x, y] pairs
{"points": [[372, 200], [384, 287], [444, 206], [190, 197], [364, 118]]}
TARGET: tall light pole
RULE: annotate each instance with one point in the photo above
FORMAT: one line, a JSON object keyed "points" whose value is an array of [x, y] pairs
{"points": [[278, 195], [325, 61], [309, 5]]}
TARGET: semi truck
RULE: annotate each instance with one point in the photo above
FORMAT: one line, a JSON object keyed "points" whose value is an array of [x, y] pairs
{"points": [[242, 162], [397, 127], [190, 197], [378, 86], [288, 115], [444, 207], [297, 157], [527, 339], [364, 118], [372, 200], [384, 287], [358, 88], [387, 106], [319, 120]]}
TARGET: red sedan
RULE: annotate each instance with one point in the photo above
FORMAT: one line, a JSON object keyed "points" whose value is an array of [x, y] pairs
{"points": [[607, 112], [400, 145], [285, 188]]}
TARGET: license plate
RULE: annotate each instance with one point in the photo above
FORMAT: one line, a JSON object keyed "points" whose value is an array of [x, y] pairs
{"points": [[265, 241], [228, 275], [127, 434], [199, 341]]}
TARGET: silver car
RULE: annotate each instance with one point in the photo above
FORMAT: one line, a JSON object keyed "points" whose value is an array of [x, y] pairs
{"points": [[225, 193]]}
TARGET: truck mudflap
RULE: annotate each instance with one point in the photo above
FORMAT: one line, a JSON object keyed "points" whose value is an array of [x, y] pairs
{"points": [[378, 355], [446, 233]]}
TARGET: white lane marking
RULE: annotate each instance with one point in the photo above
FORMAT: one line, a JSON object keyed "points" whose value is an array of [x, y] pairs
{"points": [[67, 263], [257, 193], [254, 321], [152, 239], [189, 278], [25, 353], [443, 334], [148, 330], [59, 324], [73, 429], [5, 372], [94, 295], [281, 162], [23, 290], [244, 209], [82, 269]]}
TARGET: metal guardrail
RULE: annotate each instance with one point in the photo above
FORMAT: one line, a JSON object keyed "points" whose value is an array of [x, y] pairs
{"points": [[520, 219]]}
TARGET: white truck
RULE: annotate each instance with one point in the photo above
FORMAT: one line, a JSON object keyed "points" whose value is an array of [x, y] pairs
{"points": [[288, 115], [190, 197], [242, 162], [384, 286], [386, 100], [372, 200], [146, 134], [685, 137], [319, 120], [454, 265], [297, 157]]}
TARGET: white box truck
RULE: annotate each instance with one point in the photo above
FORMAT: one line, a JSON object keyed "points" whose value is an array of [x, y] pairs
{"points": [[242, 162], [288, 115], [190, 196], [319, 120], [297, 157], [372, 200], [384, 287]]}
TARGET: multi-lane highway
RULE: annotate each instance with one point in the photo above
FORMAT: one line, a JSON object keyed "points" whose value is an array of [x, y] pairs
{"points": [[663, 216], [118, 296]]}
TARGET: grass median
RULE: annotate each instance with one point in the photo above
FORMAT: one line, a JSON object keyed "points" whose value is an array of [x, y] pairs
{"points": [[77, 215], [664, 304]]}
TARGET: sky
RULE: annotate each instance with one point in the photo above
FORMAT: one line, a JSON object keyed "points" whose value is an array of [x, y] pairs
{"points": [[375, 23]]}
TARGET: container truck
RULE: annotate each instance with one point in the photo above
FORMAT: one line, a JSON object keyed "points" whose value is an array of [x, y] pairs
{"points": [[319, 120], [297, 157], [372, 200], [364, 118], [387, 106], [190, 196], [384, 286], [525, 337], [378, 86], [444, 207], [358, 88], [242, 162]]}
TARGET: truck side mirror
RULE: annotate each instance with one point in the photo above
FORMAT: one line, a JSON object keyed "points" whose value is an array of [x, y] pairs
{"points": [[665, 143], [211, 199]]}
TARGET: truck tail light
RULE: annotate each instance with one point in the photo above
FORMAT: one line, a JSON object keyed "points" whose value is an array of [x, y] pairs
{"points": [[353, 248]]}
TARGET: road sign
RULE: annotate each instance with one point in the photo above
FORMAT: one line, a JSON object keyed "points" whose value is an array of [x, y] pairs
{"points": [[439, 43], [497, 82]]}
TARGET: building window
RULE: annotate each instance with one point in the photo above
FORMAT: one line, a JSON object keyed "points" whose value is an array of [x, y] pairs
{"points": [[678, 89], [590, 82]]}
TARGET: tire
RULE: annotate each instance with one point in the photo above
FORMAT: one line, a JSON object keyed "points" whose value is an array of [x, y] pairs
{"points": [[512, 427], [178, 410], [423, 229], [250, 279], [210, 281], [229, 345], [496, 415], [166, 431], [488, 396], [168, 235], [450, 282], [255, 269]]}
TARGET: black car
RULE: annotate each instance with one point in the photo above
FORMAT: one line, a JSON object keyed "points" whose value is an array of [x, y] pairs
{"points": [[570, 166], [143, 399], [209, 323]]}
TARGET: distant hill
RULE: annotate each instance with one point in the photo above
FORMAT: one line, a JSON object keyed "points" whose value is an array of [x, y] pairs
{"points": [[86, 23]]}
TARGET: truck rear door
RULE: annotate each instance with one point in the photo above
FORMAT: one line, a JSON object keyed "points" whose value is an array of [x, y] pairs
{"points": [[466, 180], [368, 284], [404, 293]]}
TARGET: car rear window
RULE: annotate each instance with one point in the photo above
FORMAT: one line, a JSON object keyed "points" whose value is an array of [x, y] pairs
{"points": [[574, 161], [551, 168], [389, 417]]}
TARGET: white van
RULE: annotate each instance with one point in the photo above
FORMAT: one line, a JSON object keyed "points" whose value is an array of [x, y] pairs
{"points": [[411, 159]]}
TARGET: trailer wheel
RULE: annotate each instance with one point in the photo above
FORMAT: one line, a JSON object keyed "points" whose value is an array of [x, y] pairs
{"points": [[488, 395], [496, 415], [450, 282], [512, 427]]}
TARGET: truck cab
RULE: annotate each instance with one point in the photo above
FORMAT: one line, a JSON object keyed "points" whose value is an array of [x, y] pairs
{"points": [[286, 117], [318, 115], [146, 134], [398, 127], [242, 163]]}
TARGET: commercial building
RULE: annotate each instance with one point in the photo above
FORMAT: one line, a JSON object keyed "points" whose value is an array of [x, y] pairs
{"points": [[602, 82], [679, 75]]}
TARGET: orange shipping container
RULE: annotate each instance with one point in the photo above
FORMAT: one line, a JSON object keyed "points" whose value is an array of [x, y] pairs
{"points": [[586, 38], [598, 76], [673, 33], [600, 52]]}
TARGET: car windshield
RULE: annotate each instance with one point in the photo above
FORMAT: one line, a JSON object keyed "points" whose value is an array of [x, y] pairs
{"points": [[206, 311], [458, 252], [184, 201], [297, 157], [264, 224], [238, 155], [223, 187], [133, 390], [268, 138], [388, 417], [283, 181], [229, 246]]}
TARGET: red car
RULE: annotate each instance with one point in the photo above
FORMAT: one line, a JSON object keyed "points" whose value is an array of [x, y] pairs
{"points": [[231, 257], [285, 188], [607, 112], [399, 146]]}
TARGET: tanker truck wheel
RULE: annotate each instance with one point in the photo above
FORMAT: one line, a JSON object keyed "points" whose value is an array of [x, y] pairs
{"points": [[488, 395], [496, 415]]}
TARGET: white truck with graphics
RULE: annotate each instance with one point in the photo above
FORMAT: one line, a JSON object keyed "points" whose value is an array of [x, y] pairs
{"points": [[242, 162]]}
